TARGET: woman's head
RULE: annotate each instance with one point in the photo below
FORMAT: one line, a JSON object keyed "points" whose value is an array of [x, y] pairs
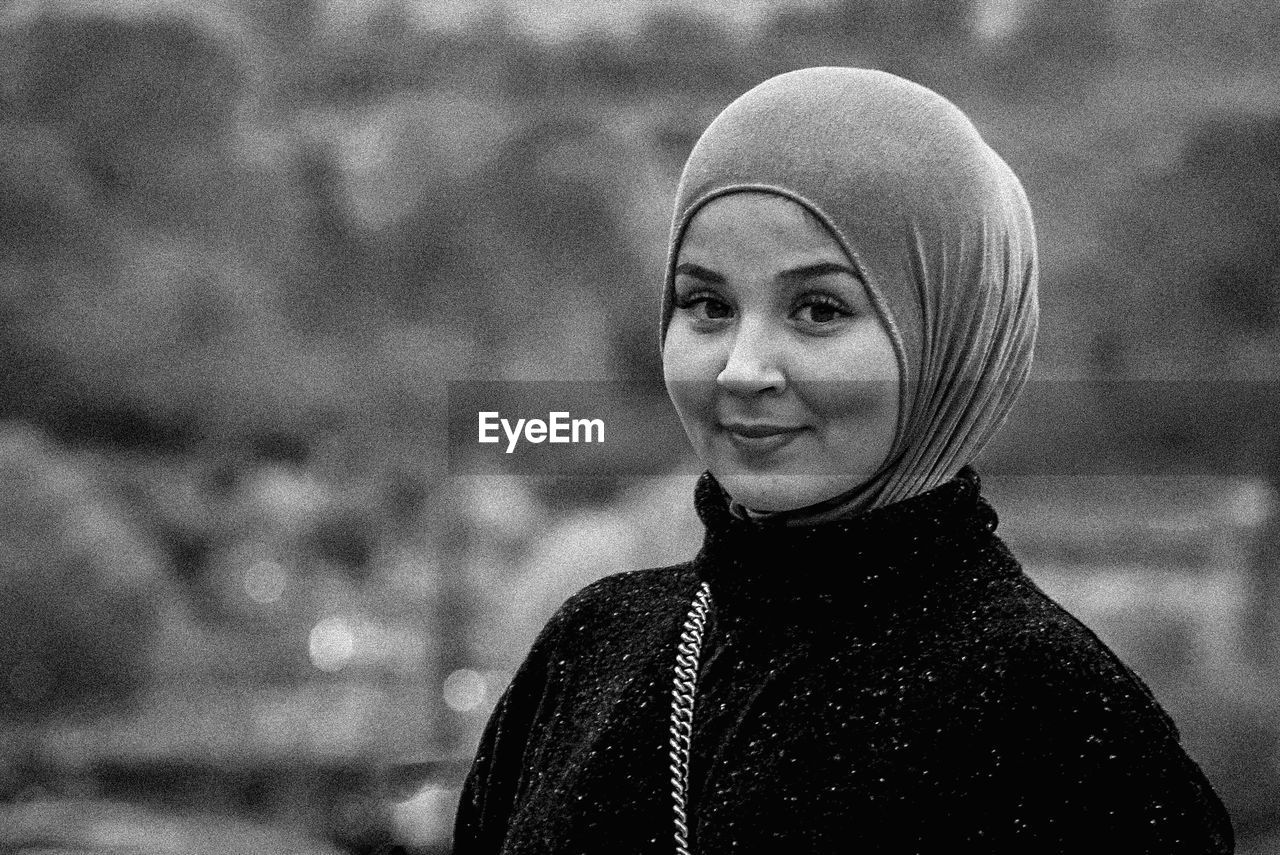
{"points": [[775, 358], [850, 263]]}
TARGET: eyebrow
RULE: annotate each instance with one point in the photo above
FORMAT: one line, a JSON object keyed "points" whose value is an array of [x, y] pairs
{"points": [[794, 275], [697, 271], [813, 271]]}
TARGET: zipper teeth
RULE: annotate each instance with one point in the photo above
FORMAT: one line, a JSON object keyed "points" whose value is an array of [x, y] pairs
{"points": [[688, 652]]}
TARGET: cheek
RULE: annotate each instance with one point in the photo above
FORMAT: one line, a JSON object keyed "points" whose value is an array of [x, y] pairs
{"points": [[690, 372], [854, 400], [681, 354], [859, 425], [862, 399]]}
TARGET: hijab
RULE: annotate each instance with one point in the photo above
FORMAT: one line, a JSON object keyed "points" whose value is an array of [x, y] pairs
{"points": [[934, 222]]}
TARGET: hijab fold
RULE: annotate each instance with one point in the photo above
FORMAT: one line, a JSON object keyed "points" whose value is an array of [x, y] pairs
{"points": [[937, 226]]}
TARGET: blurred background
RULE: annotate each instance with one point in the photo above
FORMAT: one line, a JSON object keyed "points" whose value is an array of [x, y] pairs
{"points": [[247, 605]]}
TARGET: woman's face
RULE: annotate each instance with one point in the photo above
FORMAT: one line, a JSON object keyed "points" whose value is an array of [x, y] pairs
{"points": [[777, 361]]}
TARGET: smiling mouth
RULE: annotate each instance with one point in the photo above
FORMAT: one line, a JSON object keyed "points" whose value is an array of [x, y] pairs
{"points": [[757, 439], [759, 431]]}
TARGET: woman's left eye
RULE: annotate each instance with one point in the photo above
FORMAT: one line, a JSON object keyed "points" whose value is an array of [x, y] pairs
{"points": [[818, 309]]}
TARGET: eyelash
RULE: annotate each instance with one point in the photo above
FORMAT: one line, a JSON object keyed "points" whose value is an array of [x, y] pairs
{"points": [[826, 301], [693, 298]]}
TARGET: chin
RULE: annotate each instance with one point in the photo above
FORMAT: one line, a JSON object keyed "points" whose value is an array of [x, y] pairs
{"points": [[778, 492]]}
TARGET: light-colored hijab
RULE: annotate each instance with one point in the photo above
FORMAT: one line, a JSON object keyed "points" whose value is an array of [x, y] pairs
{"points": [[936, 224]]}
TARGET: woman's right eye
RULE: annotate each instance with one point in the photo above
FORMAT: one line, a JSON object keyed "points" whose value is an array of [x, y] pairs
{"points": [[704, 306]]}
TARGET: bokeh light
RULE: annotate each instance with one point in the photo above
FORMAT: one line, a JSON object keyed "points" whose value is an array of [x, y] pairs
{"points": [[464, 690], [332, 642]]}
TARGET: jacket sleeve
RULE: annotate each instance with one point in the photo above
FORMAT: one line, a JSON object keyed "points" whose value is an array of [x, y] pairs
{"points": [[1082, 759], [489, 792]]}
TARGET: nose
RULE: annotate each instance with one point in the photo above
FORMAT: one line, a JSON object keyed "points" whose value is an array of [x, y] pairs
{"points": [[754, 364]]}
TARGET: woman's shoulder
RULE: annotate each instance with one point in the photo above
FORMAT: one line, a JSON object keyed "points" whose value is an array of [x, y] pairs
{"points": [[1033, 647], [618, 600]]}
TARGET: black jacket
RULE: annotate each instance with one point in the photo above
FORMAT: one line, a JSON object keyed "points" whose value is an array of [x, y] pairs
{"points": [[888, 683]]}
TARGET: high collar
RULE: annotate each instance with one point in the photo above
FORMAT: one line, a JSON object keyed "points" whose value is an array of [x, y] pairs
{"points": [[906, 546]]}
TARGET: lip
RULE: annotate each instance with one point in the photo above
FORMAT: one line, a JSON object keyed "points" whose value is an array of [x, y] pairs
{"points": [[758, 430], [759, 438]]}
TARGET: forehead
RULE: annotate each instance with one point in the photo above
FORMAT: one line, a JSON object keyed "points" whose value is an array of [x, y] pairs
{"points": [[755, 223]]}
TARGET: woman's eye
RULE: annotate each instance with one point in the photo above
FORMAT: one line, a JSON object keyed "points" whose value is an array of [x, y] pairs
{"points": [[819, 310], [705, 307], [714, 308]]}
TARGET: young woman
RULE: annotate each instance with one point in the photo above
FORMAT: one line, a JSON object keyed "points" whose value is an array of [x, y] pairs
{"points": [[854, 661]]}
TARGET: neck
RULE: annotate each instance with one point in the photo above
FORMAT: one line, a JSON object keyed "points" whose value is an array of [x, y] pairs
{"points": [[843, 506], [863, 497]]}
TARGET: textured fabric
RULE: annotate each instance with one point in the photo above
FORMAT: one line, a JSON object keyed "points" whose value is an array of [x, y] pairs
{"points": [[936, 224], [891, 683]]}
